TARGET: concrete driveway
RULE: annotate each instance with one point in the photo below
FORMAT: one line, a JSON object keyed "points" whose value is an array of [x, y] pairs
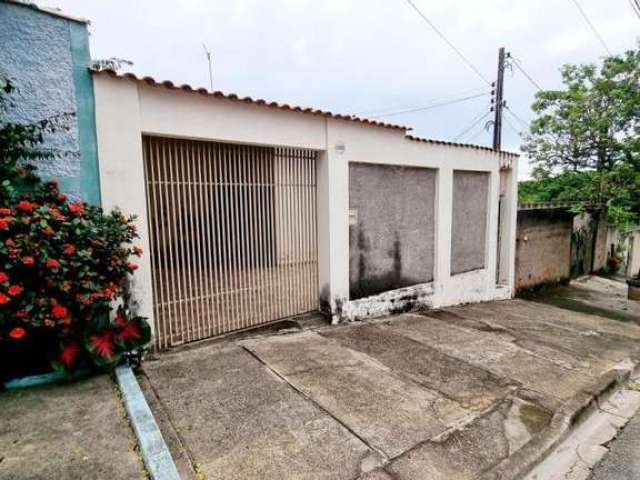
{"points": [[466, 392]]}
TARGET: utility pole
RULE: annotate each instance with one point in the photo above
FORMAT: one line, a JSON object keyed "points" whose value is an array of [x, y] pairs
{"points": [[497, 100], [207, 52]]}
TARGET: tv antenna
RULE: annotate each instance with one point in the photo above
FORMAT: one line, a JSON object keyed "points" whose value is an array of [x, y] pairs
{"points": [[207, 52]]}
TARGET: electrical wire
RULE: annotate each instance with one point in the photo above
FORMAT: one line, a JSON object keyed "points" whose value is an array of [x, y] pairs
{"points": [[429, 107], [468, 128], [437, 99], [635, 5], [518, 65], [477, 134], [524, 123], [446, 40], [593, 28], [508, 122]]}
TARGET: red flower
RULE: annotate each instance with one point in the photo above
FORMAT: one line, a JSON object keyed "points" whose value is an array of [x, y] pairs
{"points": [[48, 231], [69, 249], [59, 311], [54, 183], [53, 263], [137, 250], [28, 260], [107, 293], [17, 333], [3, 277], [15, 290], [103, 344], [4, 299], [77, 208], [10, 242], [132, 267], [82, 299], [130, 331], [22, 313], [69, 354], [4, 223], [5, 212], [48, 322], [62, 197], [26, 205], [55, 213]]}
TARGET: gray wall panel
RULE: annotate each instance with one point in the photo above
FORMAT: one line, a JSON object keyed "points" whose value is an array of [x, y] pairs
{"points": [[392, 245], [469, 228]]}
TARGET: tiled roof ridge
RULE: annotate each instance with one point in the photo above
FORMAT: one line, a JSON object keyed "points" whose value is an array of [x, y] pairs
{"points": [[294, 108]]}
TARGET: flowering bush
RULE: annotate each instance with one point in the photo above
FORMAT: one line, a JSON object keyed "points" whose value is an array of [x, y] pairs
{"points": [[64, 265]]}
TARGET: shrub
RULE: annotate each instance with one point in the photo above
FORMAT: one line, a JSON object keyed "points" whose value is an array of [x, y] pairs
{"points": [[64, 265]]}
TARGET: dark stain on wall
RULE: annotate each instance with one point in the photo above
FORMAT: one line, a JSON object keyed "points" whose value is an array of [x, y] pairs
{"points": [[469, 227], [543, 247], [392, 244]]}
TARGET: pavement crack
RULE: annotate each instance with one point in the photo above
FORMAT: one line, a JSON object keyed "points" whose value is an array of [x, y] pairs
{"points": [[307, 397]]}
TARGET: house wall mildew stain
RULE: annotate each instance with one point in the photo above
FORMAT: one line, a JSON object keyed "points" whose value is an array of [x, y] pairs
{"points": [[391, 244], [469, 225]]}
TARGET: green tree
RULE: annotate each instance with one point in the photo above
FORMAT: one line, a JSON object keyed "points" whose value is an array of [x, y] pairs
{"points": [[585, 142]]}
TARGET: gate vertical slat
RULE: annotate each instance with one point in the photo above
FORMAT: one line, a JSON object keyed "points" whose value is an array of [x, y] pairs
{"points": [[232, 236]]}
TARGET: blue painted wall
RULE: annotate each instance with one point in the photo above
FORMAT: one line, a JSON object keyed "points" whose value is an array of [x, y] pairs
{"points": [[47, 57]]}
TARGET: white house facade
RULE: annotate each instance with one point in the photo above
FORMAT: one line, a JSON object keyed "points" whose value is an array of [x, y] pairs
{"points": [[251, 211]]}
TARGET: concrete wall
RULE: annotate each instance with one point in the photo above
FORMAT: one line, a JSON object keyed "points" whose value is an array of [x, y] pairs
{"points": [[600, 249], [470, 215], [127, 108], [391, 233], [47, 58], [633, 264], [543, 247]]}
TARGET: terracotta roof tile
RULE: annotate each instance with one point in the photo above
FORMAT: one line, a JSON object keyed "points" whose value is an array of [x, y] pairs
{"points": [[257, 101], [461, 145], [284, 106]]}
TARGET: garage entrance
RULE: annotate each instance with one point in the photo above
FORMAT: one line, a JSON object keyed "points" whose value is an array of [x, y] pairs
{"points": [[233, 236]]}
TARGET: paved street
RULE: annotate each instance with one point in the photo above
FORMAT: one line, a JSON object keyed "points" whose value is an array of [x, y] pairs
{"points": [[622, 462], [74, 431], [456, 393]]}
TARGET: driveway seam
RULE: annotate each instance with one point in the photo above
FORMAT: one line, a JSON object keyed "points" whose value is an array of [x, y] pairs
{"points": [[193, 464], [320, 407]]}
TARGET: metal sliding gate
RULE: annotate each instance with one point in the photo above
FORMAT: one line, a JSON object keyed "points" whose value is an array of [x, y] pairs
{"points": [[232, 233]]}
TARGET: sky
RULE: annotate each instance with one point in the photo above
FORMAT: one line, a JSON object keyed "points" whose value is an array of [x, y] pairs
{"points": [[363, 56]]}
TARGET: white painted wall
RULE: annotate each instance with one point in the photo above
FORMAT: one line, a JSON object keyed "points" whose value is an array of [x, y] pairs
{"points": [[122, 180], [126, 109]]}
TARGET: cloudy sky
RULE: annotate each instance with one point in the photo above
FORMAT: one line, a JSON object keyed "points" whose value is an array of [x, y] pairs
{"points": [[362, 56]]}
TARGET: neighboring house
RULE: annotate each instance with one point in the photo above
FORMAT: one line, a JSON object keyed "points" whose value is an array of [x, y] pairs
{"points": [[251, 211], [45, 53], [553, 244]]}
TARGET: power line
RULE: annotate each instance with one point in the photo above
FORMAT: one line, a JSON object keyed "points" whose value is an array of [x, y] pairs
{"points": [[524, 123], [508, 122], [593, 28], [635, 5], [444, 97], [429, 107], [446, 40], [477, 134], [518, 65], [474, 122]]}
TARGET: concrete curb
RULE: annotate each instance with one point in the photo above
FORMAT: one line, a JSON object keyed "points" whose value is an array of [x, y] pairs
{"points": [[562, 424], [155, 453]]}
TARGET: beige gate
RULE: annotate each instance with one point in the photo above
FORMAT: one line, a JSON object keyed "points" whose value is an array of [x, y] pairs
{"points": [[232, 233]]}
